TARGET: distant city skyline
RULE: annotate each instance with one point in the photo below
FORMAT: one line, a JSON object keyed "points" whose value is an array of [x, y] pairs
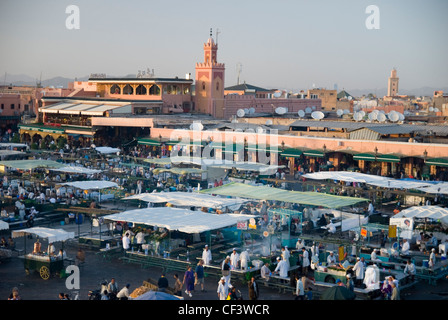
{"points": [[283, 44]]}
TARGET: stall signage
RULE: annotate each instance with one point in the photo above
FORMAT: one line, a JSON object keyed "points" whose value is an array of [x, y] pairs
{"points": [[392, 231], [241, 225], [364, 232]]}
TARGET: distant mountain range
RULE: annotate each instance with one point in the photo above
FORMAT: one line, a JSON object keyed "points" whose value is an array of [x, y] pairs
{"points": [[25, 80]]}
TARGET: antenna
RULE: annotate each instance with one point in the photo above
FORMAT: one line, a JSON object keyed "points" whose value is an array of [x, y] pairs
{"points": [[239, 67], [211, 33], [217, 32]]}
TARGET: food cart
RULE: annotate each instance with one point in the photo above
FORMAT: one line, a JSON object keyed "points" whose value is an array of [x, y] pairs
{"points": [[39, 261]]}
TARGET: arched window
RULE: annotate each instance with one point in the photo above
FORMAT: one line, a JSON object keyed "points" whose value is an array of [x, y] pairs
{"points": [[154, 90], [140, 90], [128, 89], [115, 89], [217, 86], [203, 85]]}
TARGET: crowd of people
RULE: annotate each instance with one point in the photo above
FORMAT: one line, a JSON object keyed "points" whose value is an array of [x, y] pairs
{"points": [[141, 178]]}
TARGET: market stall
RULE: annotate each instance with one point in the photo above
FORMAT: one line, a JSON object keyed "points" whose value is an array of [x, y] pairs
{"points": [[261, 192], [189, 199], [173, 235], [95, 185], [46, 263]]}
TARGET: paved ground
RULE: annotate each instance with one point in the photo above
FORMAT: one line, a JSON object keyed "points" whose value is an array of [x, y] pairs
{"points": [[32, 287]]}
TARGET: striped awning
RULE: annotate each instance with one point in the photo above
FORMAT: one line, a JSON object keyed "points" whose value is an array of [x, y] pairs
{"points": [[314, 153], [291, 152], [440, 162], [148, 142]]}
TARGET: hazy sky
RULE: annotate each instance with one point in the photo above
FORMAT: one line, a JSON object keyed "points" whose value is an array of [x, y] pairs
{"points": [[280, 44]]}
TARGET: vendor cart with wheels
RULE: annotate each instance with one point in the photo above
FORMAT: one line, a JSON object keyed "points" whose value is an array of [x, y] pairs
{"points": [[44, 263]]}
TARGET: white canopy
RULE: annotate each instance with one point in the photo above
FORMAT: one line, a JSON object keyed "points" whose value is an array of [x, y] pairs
{"points": [[77, 169], [105, 150], [4, 225], [370, 179], [431, 212], [190, 199], [436, 188], [179, 219], [52, 235], [92, 184]]}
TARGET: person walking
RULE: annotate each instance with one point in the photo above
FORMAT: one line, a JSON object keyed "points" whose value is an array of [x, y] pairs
{"points": [[223, 289], [253, 289], [188, 281], [300, 289], [177, 285], [199, 275]]}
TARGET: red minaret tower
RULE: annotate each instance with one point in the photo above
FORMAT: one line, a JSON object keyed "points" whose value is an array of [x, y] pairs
{"points": [[209, 96]]}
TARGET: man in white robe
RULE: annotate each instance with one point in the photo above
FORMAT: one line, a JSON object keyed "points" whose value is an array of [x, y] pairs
{"points": [[206, 256], [282, 268], [234, 258], [244, 259]]}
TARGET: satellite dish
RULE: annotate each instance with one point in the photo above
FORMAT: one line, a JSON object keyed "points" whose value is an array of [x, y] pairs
{"points": [[436, 110], [240, 113], [431, 109], [372, 116], [260, 130], [301, 113], [346, 111], [252, 110], [357, 116], [268, 122], [394, 117], [400, 116], [280, 110], [340, 112], [196, 126], [246, 111], [277, 94], [363, 113], [308, 110], [381, 117], [317, 115], [313, 107]]}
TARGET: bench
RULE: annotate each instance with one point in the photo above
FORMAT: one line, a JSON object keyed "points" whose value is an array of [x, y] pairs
{"points": [[107, 254]]}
